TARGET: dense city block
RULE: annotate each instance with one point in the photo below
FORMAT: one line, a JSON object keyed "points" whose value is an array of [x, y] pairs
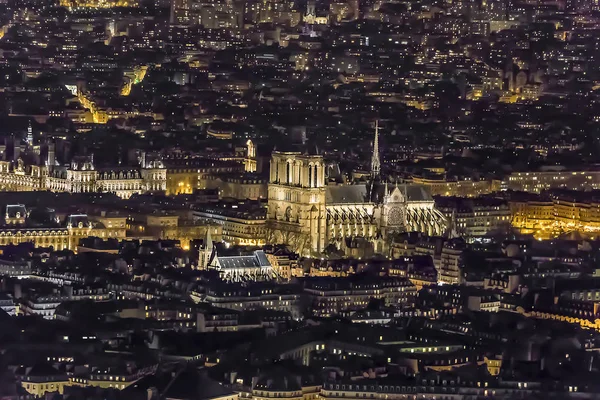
{"points": [[299, 199]]}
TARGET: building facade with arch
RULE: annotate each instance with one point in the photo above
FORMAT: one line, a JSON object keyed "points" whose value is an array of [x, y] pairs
{"points": [[296, 201]]}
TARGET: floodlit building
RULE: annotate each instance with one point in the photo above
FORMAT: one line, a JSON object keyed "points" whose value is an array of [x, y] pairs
{"points": [[309, 215]]}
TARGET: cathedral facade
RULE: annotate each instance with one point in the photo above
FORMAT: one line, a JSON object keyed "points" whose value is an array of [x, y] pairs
{"points": [[311, 216], [297, 213]]}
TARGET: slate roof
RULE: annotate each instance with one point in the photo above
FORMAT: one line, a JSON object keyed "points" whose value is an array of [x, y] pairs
{"points": [[75, 219], [188, 383], [255, 260], [346, 194], [43, 369], [278, 381], [416, 192], [13, 209], [192, 384]]}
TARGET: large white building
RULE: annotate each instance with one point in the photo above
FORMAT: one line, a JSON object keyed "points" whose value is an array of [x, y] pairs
{"points": [[82, 176], [309, 215]]}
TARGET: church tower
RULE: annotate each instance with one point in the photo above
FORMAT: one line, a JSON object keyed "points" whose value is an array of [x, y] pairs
{"points": [[250, 159], [375, 163], [206, 251], [310, 8], [296, 201], [310, 15]]}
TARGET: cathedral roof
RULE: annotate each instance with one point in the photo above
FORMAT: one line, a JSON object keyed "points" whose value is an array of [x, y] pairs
{"points": [[414, 192], [306, 149], [346, 194], [374, 192]]}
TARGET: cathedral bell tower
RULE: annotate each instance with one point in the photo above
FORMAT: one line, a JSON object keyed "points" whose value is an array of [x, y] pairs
{"points": [[296, 201]]}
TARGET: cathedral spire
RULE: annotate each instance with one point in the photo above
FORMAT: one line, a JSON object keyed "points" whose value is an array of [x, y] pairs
{"points": [[205, 254], [375, 163]]}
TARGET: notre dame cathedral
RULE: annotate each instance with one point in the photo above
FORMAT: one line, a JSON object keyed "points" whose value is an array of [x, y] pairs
{"points": [[310, 215]]}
